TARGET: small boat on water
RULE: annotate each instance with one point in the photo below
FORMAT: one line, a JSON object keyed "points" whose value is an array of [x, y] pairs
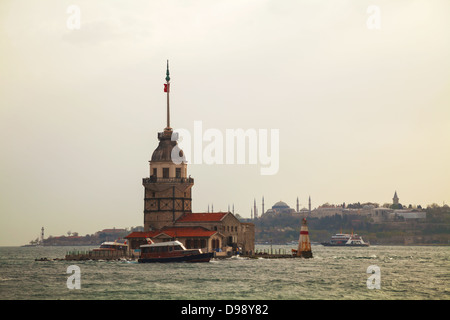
{"points": [[171, 251], [108, 250], [346, 240], [113, 246]]}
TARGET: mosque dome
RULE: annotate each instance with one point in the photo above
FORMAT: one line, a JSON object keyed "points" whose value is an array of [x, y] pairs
{"points": [[280, 205]]}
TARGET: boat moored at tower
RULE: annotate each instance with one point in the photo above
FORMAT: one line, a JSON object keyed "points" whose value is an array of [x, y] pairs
{"points": [[171, 251]]}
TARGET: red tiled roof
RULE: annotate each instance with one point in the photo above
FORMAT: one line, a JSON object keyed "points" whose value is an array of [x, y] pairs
{"points": [[140, 234], [173, 232], [203, 217]]}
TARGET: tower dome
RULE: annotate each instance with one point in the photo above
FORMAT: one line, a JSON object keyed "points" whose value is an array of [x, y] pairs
{"points": [[163, 153]]}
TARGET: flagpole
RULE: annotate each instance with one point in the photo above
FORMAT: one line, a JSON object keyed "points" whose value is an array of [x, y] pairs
{"points": [[168, 90]]}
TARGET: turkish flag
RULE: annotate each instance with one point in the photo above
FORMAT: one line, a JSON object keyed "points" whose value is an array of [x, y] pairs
{"points": [[166, 87]]}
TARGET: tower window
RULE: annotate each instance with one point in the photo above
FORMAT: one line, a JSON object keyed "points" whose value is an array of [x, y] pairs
{"points": [[155, 172], [177, 172], [165, 172]]}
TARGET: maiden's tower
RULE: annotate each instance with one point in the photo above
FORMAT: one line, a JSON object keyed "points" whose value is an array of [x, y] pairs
{"points": [[168, 204]]}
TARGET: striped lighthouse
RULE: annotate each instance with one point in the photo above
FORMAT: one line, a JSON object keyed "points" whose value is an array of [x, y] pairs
{"points": [[304, 245]]}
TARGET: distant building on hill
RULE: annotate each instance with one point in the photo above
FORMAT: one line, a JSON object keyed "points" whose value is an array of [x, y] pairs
{"points": [[279, 208]]}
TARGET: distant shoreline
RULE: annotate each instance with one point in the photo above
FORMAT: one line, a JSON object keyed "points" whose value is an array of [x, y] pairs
{"points": [[372, 245]]}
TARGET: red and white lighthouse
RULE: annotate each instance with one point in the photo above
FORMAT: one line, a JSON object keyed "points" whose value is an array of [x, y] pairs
{"points": [[304, 245]]}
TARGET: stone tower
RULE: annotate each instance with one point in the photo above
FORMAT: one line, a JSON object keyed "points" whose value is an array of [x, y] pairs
{"points": [[168, 189]]}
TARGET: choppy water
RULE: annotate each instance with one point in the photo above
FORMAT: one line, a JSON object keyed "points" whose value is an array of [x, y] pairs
{"points": [[333, 273]]}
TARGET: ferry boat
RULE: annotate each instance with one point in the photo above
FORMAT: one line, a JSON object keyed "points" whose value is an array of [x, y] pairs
{"points": [[171, 251], [346, 240], [113, 246]]}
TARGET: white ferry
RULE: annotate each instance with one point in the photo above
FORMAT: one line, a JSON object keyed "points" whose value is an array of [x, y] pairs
{"points": [[346, 240], [112, 246]]}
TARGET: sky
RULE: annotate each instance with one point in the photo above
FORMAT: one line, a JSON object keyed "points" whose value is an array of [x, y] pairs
{"points": [[360, 96]]}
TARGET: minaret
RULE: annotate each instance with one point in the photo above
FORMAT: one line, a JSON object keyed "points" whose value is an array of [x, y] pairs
{"points": [[262, 206], [42, 236], [298, 206], [255, 212], [395, 199], [168, 189], [309, 205]]}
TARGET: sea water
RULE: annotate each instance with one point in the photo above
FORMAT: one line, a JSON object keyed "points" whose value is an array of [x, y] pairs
{"points": [[406, 272]]}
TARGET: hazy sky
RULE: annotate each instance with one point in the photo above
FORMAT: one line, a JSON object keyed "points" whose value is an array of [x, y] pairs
{"points": [[361, 112]]}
